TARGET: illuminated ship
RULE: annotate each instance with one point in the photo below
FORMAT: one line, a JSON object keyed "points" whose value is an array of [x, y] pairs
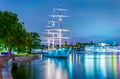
{"points": [[54, 35], [103, 48]]}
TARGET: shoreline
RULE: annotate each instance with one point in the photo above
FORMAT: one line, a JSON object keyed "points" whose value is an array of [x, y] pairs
{"points": [[25, 58], [4, 69]]}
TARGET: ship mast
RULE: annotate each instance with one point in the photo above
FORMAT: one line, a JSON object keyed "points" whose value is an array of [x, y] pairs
{"points": [[54, 30], [48, 39], [60, 16]]}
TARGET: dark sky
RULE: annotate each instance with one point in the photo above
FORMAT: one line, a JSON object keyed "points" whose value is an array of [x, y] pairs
{"points": [[90, 20]]}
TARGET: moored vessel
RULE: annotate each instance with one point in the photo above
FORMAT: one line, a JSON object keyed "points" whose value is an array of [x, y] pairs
{"points": [[54, 35]]}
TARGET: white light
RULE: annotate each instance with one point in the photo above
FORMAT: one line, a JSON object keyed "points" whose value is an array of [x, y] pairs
{"points": [[103, 44]]}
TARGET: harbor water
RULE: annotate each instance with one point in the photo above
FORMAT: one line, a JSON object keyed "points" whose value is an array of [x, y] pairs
{"points": [[77, 66]]}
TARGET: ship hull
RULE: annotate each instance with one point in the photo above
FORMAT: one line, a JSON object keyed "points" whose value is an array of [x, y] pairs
{"points": [[58, 53]]}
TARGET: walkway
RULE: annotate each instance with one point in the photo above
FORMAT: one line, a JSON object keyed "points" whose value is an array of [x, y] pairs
{"points": [[4, 71]]}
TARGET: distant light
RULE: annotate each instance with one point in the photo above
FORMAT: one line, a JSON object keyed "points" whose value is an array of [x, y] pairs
{"points": [[103, 44]]}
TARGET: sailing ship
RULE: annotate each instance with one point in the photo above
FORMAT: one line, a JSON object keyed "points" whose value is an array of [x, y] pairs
{"points": [[54, 35]]}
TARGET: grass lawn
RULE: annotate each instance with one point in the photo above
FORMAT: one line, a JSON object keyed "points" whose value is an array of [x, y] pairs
{"points": [[23, 54]]}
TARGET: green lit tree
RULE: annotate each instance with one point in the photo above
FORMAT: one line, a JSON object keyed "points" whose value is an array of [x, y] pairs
{"points": [[13, 34], [66, 44], [8, 21], [35, 41]]}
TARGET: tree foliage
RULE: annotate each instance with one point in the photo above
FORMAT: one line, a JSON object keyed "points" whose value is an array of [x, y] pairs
{"points": [[66, 44], [14, 35], [35, 40]]}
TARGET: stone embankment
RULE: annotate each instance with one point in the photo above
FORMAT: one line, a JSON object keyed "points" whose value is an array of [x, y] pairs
{"points": [[4, 69], [25, 58]]}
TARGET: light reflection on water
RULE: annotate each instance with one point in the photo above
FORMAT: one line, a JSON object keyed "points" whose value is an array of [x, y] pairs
{"points": [[77, 66], [56, 69]]}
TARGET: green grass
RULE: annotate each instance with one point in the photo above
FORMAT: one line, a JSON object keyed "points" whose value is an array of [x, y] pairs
{"points": [[23, 54]]}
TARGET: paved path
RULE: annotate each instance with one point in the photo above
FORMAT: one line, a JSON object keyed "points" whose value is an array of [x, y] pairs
{"points": [[4, 71]]}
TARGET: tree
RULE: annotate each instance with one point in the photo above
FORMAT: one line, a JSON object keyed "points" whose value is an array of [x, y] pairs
{"points": [[14, 35], [8, 21], [21, 40], [35, 40], [66, 44]]}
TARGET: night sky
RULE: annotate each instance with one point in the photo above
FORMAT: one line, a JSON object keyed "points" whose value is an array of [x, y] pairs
{"points": [[90, 20]]}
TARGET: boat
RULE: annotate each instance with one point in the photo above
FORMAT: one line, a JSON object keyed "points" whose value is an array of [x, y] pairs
{"points": [[54, 35], [102, 49], [58, 53]]}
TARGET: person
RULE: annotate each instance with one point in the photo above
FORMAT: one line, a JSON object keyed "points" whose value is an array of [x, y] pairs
{"points": [[12, 64], [10, 61], [9, 53]]}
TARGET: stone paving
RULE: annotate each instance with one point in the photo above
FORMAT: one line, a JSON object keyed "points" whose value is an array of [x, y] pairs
{"points": [[6, 73]]}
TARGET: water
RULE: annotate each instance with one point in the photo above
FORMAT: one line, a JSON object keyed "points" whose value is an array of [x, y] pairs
{"points": [[77, 66]]}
